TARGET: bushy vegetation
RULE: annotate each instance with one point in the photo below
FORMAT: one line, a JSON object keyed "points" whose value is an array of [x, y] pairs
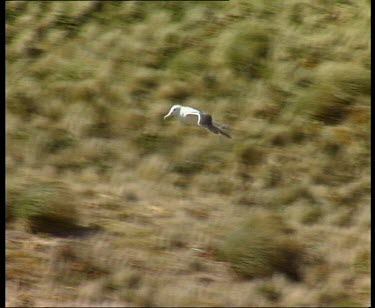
{"points": [[184, 217], [45, 207], [261, 247]]}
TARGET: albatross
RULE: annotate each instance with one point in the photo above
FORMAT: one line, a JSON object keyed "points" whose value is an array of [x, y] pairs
{"points": [[200, 118]]}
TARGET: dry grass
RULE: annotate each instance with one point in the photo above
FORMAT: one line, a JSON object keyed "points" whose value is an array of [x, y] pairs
{"points": [[109, 205]]}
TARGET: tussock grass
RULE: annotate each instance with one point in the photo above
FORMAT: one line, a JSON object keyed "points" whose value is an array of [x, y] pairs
{"points": [[269, 291], [250, 155], [47, 207], [73, 264], [171, 205], [336, 88], [261, 247], [248, 50], [362, 262]]}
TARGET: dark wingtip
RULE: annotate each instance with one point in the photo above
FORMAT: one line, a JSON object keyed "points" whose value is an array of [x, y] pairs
{"points": [[226, 135]]}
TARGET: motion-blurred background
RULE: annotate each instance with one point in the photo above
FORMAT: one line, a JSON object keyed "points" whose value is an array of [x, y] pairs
{"points": [[108, 204]]}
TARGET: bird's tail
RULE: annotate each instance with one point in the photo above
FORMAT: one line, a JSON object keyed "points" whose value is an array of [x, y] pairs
{"points": [[217, 130], [221, 125]]}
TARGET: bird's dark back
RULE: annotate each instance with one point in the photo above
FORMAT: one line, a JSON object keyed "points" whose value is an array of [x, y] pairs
{"points": [[206, 119]]}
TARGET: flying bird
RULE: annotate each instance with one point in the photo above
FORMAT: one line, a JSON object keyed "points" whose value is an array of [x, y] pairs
{"points": [[187, 114]]}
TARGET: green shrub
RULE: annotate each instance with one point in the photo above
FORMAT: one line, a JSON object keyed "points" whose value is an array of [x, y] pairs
{"points": [[46, 206], [261, 247]]}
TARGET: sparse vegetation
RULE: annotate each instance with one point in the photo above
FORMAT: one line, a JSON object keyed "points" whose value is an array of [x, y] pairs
{"points": [[107, 204]]}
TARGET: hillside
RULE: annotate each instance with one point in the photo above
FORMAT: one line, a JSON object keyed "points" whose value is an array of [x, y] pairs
{"points": [[108, 204]]}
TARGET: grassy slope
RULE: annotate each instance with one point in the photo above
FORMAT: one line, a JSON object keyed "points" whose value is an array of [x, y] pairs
{"points": [[87, 149]]}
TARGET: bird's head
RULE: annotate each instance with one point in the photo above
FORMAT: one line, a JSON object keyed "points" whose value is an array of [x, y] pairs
{"points": [[174, 110]]}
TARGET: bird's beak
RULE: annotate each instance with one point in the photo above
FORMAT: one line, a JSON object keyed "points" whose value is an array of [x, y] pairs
{"points": [[165, 117]]}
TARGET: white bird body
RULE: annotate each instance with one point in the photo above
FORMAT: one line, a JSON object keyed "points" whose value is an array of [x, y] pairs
{"points": [[192, 115]]}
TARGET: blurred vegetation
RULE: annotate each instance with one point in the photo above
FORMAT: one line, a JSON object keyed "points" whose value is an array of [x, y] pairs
{"points": [[261, 247], [46, 207], [87, 86]]}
